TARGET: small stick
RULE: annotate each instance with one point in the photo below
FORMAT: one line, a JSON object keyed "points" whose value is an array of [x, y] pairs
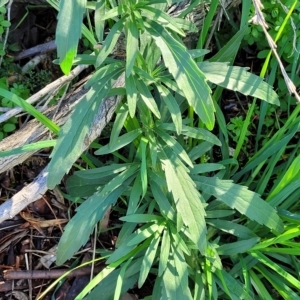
{"points": [[48, 274]]}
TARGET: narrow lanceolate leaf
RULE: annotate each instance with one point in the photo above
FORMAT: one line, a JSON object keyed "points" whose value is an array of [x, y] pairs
{"points": [[175, 279], [91, 211], [237, 247], [132, 44], [239, 197], [131, 92], [238, 79], [122, 141], [71, 137], [68, 31], [186, 198], [174, 146], [110, 42], [147, 98], [148, 259], [173, 107], [193, 132], [28, 148], [186, 73], [30, 109]]}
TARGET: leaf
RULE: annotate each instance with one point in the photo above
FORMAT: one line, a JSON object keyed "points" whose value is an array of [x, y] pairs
{"points": [[173, 145], [194, 132], [142, 218], [206, 167], [99, 12], [147, 97], [238, 230], [291, 175], [79, 228], [30, 109], [86, 182], [144, 233], [237, 247], [132, 45], [234, 286], [173, 107], [175, 278], [148, 259], [28, 148], [162, 201], [186, 73], [186, 198], [162, 18], [228, 52], [144, 176], [131, 93], [164, 252], [238, 79], [103, 284], [122, 141], [118, 125], [278, 269], [71, 137], [110, 42], [239, 197], [68, 31]]}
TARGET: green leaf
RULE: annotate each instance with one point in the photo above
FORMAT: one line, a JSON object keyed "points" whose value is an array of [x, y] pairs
{"points": [[132, 44], [232, 285], [148, 259], [238, 79], [186, 73], [279, 270], [237, 247], [144, 176], [142, 218], [122, 141], [86, 182], [173, 107], [147, 97], [175, 278], [239, 197], [110, 42], [68, 31], [99, 12], [194, 132], [228, 52], [291, 175], [186, 198], [174, 146], [144, 233], [90, 212], [8, 127], [164, 252], [131, 93], [162, 18], [235, 229], [121, 116], [162, 200], [205, 168], [30, 109], [28, 148], [71, 138]]}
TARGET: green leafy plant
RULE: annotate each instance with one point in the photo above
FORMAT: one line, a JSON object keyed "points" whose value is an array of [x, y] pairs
{"points": [[195, 225]]}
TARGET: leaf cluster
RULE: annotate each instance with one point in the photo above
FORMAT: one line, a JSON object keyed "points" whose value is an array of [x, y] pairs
{"points": [[204, 228]]}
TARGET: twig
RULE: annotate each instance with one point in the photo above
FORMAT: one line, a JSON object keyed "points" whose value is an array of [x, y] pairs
{"points": [[7, 29], [48, 274], [36, 50]]}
